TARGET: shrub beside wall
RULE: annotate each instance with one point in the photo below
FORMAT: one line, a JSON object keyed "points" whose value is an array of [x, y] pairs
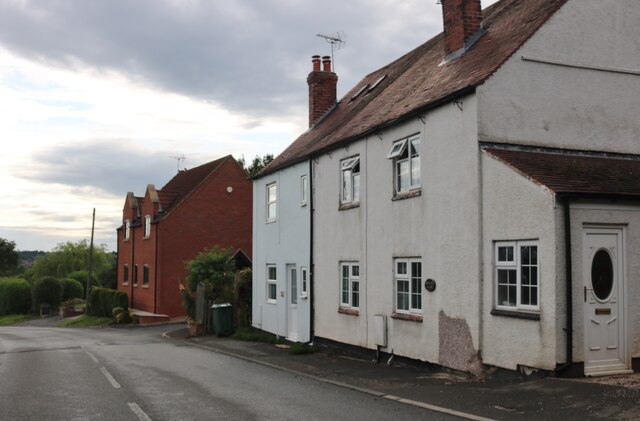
{"points": [[102, 301], [71, 289], [15, 296], [47, 290]]}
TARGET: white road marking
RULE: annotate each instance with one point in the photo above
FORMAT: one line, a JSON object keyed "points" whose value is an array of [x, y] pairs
{"points": [[109, 377], [93, 357], [142, 416], [437, 408]]}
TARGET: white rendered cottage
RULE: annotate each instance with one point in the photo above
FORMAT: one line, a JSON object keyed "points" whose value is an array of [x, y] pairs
{"points": [[477, 201]]}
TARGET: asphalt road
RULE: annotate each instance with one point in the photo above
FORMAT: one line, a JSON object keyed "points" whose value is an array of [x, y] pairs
{"points": [[135, 374]]}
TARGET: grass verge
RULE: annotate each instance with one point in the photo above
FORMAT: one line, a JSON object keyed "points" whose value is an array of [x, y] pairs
{"points": [[86, 321], [251, 335], [300, 348], [10, 319]]}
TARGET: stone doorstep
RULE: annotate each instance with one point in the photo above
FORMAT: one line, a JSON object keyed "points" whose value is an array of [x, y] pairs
{"points": [[147, 318]]}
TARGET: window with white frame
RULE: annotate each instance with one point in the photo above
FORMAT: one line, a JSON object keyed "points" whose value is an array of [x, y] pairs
{"points": [[272, 198], [304, 190], [517, 275], [405, 154], [147, 226], [304, 274], [272, 283], [408, 285], [145, 275], [350, 284], [350, 180], [127, 230]]}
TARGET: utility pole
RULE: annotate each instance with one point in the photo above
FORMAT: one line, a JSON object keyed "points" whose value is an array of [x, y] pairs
{"points": [[93, 223]]}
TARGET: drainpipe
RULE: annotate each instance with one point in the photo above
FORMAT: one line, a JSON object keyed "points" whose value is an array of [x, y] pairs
{"points": [[311, 268], [132, 238], [155, 273], [566, 201]]}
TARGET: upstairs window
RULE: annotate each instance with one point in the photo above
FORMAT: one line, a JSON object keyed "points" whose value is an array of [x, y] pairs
{"points": [[350, 285], [517, 275], [147, 226], [127, 230], [304, 274], [304, 190], [135, 275], [272, 197], [405, 154], [350, 180]]}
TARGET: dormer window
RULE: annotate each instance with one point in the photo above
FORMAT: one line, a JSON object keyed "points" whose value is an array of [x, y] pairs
{"points": [[147, 226], [127, 230]]}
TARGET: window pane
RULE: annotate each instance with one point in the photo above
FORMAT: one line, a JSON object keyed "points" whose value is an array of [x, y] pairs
{"points": [[294, 286], [416, 269], [355, 270], [272, 291], [415, 171], [356, 187], [525, 256], [505, 254], [303, 181], [507, 287], [271, 193], [401, 268], [403, 295], [402, 169], [272, 273], [355, 294], [345, 271], [346, 186], [271, 213]]}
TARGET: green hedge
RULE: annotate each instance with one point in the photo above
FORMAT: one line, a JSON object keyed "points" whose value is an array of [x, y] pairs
{"points": [[15, 296], [47, 290], [102, 301], [71, 289]]}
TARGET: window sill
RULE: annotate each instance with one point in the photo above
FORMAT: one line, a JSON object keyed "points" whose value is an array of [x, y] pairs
{"points": [[125, 284], [303, 204], [350, 205], [146, 238], [145, 286], [349, 311], [516, 314], [135, 285], [407, 317], [271, 302], [270, 221], [407, 195]]}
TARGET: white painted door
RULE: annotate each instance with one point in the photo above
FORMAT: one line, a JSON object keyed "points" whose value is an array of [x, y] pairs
{"points": [[292, 322], [603, 293]]}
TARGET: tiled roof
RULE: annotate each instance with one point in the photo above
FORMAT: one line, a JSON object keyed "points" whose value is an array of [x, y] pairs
{"points": [[185, 182], [418, 81], [576, 172]]}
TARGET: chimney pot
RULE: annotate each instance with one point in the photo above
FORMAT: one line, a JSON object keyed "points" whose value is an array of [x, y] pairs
{"points": [[316, 63], [326, 64]]}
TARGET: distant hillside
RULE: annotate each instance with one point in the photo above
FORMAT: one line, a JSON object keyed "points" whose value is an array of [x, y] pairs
{"points": [[27, 257]]}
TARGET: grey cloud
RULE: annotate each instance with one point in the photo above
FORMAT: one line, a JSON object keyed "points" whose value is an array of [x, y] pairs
{"points": [[114, 167], [251, 56]]}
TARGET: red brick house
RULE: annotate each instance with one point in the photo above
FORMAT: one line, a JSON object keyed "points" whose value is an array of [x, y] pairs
{"points": [[200, 208]]}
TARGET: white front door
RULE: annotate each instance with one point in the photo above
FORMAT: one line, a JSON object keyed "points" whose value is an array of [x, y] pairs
{"points": [[603, 293], [292, 322]]}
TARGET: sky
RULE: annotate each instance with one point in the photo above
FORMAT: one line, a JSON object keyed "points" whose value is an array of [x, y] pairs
{"points": [[97, 98]]}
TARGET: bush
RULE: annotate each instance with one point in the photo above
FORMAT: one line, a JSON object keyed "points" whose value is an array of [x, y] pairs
{"points": [[121, 316], [47, 290], [15, 296], [102, 301], [71, 289]]}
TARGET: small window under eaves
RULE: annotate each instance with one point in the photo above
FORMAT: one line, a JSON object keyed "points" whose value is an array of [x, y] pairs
{"points": [[348, 164], [365, 86], [397, 149], [377, 82]]}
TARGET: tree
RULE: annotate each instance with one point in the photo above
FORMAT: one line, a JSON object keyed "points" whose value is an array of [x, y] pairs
{"points": [[9, 257], [70, 257], [257, 164]]}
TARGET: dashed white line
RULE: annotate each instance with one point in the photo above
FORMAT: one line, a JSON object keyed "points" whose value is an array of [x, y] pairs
{"points": [[109, 377], [142, 416], [93, 357], [438, 408]]}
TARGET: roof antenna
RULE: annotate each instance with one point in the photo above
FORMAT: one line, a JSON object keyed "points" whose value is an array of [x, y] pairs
{"points": [[337, 41], [178, 158]]}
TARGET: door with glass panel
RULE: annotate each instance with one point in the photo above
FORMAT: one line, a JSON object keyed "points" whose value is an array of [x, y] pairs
{"points": [[292, 285]]}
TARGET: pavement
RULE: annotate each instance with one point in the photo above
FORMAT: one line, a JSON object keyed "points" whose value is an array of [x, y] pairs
{"points": [[494, 397]]}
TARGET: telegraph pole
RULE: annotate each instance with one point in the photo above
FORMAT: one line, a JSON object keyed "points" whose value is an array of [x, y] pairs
{"points": [[93, 223]]}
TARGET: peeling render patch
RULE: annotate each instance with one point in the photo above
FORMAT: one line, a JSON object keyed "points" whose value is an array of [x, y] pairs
{"points": [[456, 345]]}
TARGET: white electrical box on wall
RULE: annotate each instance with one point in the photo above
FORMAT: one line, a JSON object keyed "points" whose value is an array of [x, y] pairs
{"points": [[380, 329]]}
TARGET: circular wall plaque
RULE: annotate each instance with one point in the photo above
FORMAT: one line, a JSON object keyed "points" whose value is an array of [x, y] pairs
{"points": [[430, 285]]}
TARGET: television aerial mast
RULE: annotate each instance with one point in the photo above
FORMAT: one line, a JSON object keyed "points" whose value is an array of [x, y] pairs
{"points": [[337, 41], [179, 158]]}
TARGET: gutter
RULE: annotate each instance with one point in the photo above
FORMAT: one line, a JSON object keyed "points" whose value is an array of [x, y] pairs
{"points": [[155, 274], [132, 238]]}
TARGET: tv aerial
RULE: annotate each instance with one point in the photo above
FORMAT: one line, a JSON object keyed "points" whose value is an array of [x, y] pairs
{"points": [[337, 41], [179, 158]]}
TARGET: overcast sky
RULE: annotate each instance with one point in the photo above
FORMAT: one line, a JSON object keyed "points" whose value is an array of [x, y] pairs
{"points": [[96, 96]]}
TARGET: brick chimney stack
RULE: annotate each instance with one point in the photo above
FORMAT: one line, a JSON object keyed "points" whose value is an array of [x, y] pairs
{"points": [[322, 88], [462, 20]]}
